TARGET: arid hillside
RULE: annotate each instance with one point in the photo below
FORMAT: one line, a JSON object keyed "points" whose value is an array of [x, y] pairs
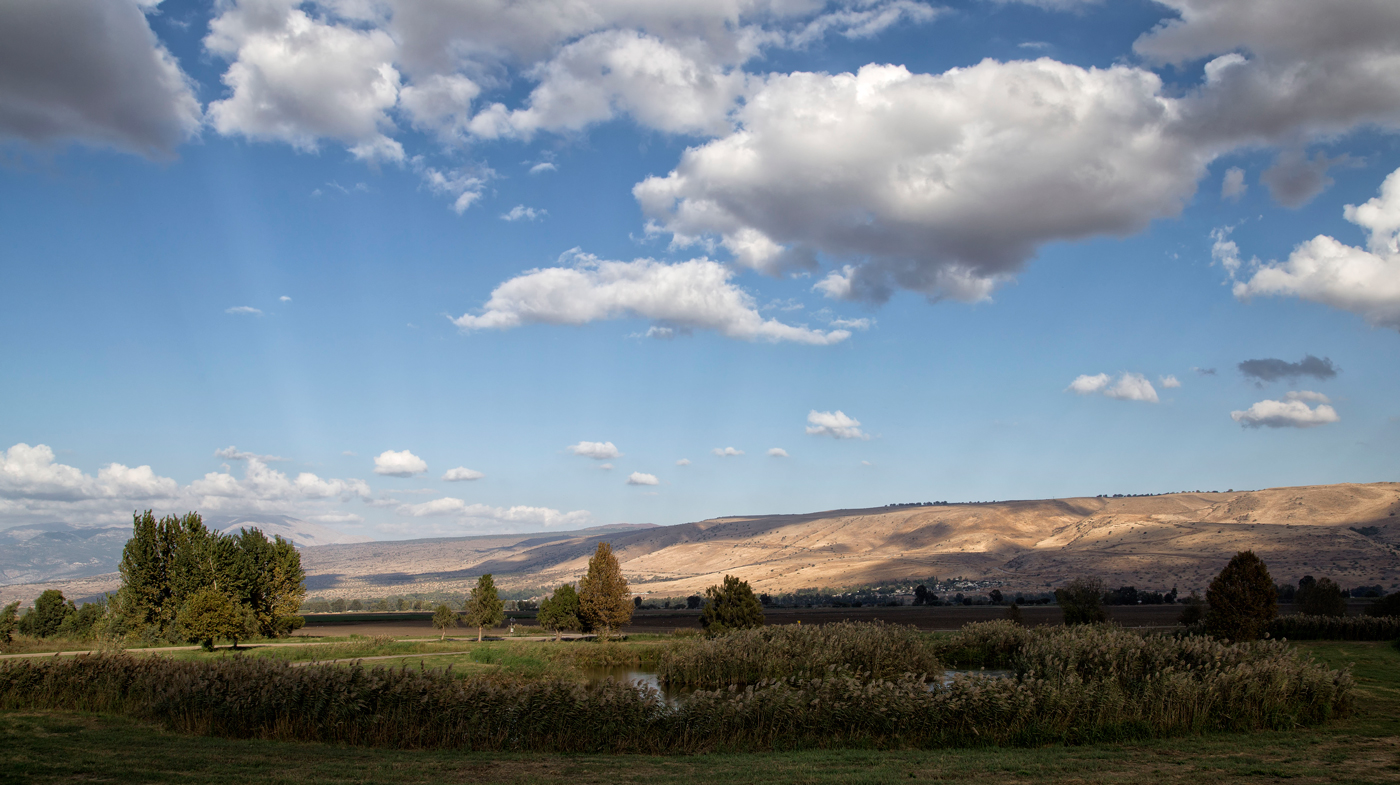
{"points": [[1349, 532]]}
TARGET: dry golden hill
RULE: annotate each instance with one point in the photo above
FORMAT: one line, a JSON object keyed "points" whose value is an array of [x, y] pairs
{"points": [[1349, 532], [1148, 541]]}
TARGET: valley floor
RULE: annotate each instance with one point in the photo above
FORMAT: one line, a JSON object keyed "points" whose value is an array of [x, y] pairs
{"points": [[44, 747]]}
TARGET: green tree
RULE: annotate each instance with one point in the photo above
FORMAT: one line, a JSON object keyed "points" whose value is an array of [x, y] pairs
{"points": [[9, 620], [1241, 600], [47, 615], [1324, 598], [730, 606], [484, 609], [81, 624], [167, 561], [604, 599], [209, 614], [443, 618], [1081, 600], [560, 611]]}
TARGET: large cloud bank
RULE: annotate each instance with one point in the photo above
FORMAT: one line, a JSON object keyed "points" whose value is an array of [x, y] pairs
{"points": [[945, 184]]}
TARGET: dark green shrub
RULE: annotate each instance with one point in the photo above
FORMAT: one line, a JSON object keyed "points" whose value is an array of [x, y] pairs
{"points": [[731, 606], [559, 611], [1389, 605], [209, 615], [9, 620], [47, 615], [1081, 600], [1194, 611], [1241, 600], [80, 624], [1302, 627], [1014, 615]]}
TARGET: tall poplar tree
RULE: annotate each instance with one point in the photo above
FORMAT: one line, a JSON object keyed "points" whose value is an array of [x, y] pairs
{"points": [[605, 603]]}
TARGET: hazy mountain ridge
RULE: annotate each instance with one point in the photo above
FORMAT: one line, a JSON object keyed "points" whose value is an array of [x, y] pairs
{"points": [[58, 551]]}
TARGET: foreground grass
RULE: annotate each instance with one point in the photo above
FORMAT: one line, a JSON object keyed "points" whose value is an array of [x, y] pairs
{"points": [[61, 747]]}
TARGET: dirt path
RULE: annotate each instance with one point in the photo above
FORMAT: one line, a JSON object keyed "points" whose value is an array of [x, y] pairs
{"points": [[250, 647]]}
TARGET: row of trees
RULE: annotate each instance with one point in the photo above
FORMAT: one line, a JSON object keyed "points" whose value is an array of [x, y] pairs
{"points": [[602, 604], [51, 616], [184, 581], [1239, 604]]}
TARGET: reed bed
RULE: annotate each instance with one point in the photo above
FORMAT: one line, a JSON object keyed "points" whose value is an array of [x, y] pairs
{"points": [[883, 651], [1303, 627], [985, 644], [1072, 686]]}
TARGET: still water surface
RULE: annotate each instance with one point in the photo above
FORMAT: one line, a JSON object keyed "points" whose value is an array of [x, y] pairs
{"points": [[643, 679]]}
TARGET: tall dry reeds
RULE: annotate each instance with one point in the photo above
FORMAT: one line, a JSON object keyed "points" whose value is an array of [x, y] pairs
{"points": [[1072, 685], [883, 651]]}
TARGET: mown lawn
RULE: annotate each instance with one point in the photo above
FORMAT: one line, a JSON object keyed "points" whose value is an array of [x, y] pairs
{"points": [[66, 747]]}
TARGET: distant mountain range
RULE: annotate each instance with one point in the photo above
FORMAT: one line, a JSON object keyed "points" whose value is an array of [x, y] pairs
{"points": [[48, 552], [42, 552], [1348, 532]]}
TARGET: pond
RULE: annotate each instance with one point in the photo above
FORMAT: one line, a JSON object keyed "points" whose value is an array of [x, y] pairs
{"points": [[672, 696]]}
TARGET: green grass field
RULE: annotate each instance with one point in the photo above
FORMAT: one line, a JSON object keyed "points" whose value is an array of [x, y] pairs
{"points": [[66, 747]]}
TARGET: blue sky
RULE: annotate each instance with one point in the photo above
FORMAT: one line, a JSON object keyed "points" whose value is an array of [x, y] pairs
{"points": [[306, 258]]}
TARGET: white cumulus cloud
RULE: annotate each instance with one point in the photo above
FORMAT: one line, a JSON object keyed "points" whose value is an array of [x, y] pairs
{"points": [[599, 451], [692, 295], [777, 452], [834, 424], [296, 77], [638, 478], [399, 464], [726, 452], [944, 184], [683, 462], [1292, 412], [461, 474], [1127, 387], [34, 486], [522, 213], [1365, 281], [1169, 381]]}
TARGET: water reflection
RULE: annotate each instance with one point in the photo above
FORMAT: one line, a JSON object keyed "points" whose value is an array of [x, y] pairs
{"points": [[990, 673], [672, 696], [641, 679]]}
